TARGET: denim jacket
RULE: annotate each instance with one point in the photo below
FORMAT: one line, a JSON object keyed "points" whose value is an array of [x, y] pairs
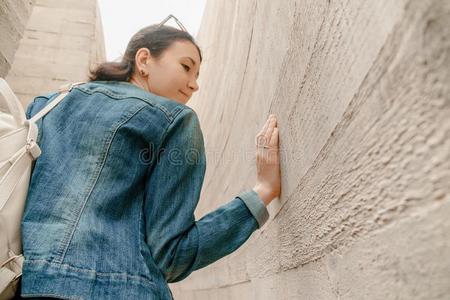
{"points": [[110, 208]]}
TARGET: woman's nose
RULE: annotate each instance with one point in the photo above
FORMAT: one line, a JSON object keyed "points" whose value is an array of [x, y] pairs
{"points": [[193, 85]]}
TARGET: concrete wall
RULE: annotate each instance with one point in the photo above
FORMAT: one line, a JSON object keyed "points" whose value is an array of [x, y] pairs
{"points": [[61, 41], [361, 90], [14, 16]]}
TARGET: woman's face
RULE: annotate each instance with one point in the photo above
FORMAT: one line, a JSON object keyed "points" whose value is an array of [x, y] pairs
{"points": [[174, 74]]}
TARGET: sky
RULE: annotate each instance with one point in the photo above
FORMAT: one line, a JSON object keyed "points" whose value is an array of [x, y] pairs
{"points": [[121, 19]]}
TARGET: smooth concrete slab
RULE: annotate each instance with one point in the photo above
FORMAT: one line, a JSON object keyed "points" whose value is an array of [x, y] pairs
{"points": [[62, 40], [14, 16]]}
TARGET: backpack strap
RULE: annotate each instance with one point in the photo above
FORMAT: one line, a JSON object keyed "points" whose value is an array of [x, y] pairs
{"points": [[6, 277], [16, 109], [14, 175], [14, 106], [64, 91], [10, 272]]}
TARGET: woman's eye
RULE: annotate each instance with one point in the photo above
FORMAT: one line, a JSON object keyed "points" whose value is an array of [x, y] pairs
{"points": [[187, 68]]}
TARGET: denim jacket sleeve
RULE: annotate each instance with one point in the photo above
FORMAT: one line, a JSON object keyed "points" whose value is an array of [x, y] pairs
{"points": [[179, 244]]}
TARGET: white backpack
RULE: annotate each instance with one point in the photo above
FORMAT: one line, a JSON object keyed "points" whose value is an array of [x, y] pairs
{"points": [[18, 150]]}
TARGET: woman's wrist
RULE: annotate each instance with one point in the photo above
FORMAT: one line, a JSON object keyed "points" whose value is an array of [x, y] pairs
{"points": [[264, 193]]}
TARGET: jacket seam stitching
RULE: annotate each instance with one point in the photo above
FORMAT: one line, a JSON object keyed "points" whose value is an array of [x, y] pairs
{"points": [[167, 114], [52, 294], [97, 273], [140, 241], [163, 136], [66, 243], [168, 127], [158, 148]]}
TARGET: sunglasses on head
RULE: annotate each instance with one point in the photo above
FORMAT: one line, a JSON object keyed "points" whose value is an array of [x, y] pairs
{"points": [[176, 20]]}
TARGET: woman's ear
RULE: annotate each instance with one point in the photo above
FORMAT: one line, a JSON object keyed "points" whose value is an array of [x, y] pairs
{"points": [[143, 58]]}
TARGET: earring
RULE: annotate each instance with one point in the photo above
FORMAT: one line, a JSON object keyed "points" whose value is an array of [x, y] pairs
{"points": [[143, 73]]}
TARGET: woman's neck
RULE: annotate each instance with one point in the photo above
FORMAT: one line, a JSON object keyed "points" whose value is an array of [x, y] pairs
{"points": [[139, 82]]}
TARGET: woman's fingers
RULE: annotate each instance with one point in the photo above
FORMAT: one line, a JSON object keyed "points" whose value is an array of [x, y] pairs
{"points": [[268, 176], [261, 138], [272, 124], [274, 138], [267, 134]]}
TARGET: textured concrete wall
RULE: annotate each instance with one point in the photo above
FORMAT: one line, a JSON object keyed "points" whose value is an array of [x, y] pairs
{"points": [[14, 16], [361, 90], [61, 41]]}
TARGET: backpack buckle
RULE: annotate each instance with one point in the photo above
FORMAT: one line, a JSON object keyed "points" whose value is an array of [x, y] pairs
{"points": [[33, 148]]}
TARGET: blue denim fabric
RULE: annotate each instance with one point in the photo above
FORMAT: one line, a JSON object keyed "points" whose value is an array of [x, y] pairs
{"points": [[110, 209]]}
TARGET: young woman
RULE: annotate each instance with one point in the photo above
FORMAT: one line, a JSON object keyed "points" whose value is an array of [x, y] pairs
{"points": [[110, 211]]}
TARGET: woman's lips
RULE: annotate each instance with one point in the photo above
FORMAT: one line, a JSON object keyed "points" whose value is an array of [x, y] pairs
{"points": [[185, 94]]}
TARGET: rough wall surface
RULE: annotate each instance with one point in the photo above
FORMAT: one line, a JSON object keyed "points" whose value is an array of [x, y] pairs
{"points": [[14, 16], [362, 94], [61, 41]]}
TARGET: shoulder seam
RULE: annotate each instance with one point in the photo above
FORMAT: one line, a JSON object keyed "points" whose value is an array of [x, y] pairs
{"points": [[170, 116]]}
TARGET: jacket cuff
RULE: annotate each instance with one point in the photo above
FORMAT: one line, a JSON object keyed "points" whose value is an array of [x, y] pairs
{"points": [[256, 206]]}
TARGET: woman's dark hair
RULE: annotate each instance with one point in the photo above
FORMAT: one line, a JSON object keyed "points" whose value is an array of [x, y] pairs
{"points": [[155, 38]]}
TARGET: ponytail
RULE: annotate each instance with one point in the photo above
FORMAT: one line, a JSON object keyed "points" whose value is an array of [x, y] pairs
{"points": [[116, 71]]}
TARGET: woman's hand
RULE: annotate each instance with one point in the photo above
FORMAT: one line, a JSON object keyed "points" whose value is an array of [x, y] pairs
{"points": [[268, 178]]}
